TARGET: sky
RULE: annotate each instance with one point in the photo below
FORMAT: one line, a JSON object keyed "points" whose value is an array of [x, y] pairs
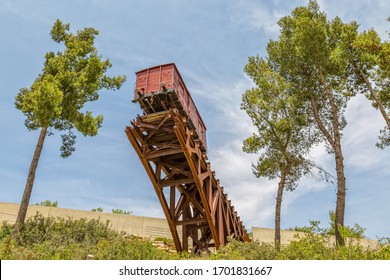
{"points": [[210, 42]]}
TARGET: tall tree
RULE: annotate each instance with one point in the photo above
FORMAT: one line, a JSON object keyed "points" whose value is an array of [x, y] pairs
{"points": [[305, 54], [284, 136], [54, 101]]}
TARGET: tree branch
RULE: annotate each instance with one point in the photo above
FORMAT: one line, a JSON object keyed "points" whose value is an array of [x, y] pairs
{"points": [[376, 99], [320, 123]]}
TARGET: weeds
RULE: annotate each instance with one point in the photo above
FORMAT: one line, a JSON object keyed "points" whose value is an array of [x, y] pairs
{"points": [[44, 238]]}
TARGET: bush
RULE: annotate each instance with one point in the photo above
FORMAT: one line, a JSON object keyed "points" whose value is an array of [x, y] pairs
{"points": [[236, 250], [311, 247], [44, 238], [47, 203], [131, 248], [68, 239]]}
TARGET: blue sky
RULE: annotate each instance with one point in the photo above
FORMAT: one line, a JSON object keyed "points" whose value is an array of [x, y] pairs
{"points": [[210, 42]]}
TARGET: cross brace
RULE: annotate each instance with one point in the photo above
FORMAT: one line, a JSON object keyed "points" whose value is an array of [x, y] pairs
{"points": [[193, 198]]}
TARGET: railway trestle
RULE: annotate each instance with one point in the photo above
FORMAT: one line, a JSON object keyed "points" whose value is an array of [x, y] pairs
{"points": [[190, 195]]}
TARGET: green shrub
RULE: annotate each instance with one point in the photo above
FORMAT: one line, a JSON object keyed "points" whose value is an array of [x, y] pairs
{"points": [[5, 230], [47, 203], [130, 248], [236, 250], [310, 247], [122, 212], [46, 238], [383, 253], [43, 238]]}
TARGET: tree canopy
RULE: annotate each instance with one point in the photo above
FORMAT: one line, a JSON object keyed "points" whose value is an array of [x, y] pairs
{"points": [[284, 136], [69, 80]]}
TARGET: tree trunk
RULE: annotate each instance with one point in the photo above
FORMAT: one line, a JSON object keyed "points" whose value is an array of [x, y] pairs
{"points": [[29, 184], [376, 99], [341, 181], [278, 210], [341, 192]]}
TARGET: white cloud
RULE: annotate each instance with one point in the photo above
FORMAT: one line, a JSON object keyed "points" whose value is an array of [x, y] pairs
{"points": [[361, 134], [367, 13], [249, 195], [257, 16]]}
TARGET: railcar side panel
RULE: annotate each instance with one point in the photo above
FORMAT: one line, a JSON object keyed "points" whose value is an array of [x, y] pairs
{"points": [[149, 81]]}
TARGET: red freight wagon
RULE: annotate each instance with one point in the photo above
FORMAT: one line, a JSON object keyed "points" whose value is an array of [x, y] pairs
{"points": [[161, 88]]}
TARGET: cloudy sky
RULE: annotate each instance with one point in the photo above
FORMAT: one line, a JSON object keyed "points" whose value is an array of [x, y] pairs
{"points": [[210, 42]]}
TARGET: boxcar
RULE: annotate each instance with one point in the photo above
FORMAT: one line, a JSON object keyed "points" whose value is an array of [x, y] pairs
{"points": [[161, 82]]}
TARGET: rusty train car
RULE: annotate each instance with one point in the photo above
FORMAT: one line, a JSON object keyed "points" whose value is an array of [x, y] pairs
{"points": [[161, 88]]}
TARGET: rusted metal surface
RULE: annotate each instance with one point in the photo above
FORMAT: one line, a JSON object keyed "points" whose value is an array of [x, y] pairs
{"points": [[173, 152], [161, 88], [190, 195]]}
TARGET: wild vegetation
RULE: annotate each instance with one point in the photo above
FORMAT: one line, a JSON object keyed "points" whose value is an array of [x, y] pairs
{"points": [[47, 203], [44, 238], [114, 211], [68, 239]]}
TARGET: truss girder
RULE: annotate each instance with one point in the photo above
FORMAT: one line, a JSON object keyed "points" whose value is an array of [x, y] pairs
{"points": [[190, 195]]}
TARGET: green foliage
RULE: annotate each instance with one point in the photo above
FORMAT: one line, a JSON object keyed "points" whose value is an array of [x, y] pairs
{"points": [[38, 229], [47, 203], [99, 209], [236, 250], [284, 134], [68, 239], [384, 138], [114, 211], [306, 54], [312, 228], [69, 79], [356, 231], [383, 253], [5, 230], [310, 247], [50, 238], [367, 60], [315, 244], [122, 212], [130, 248], [319, 247], [41, 103]]}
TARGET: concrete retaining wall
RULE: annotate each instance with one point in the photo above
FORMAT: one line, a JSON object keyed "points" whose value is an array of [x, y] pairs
{"points": [[146, 226], [267, 235], [132, 225]]}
